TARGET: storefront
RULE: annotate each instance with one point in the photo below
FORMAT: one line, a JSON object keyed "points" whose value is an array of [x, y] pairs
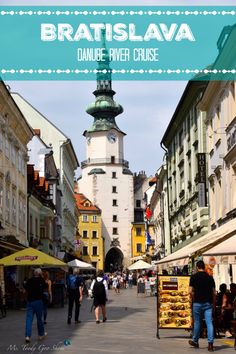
{"points": [[217, 248]]}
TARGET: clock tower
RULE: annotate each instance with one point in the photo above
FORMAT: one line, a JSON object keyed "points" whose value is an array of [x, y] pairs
{"points": [[106, 179]]}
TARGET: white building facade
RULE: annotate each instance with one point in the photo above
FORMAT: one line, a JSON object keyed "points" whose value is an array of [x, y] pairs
{"points": [[106, 179], [66, 163]]}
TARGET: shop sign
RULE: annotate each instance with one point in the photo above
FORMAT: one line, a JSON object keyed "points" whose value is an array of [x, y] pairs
{"points": [[25, 258], [202, 201], [174, 302]]}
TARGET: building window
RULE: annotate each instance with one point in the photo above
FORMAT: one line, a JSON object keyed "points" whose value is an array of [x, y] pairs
{"points": [[95, 251], [114, 202], [85, 218], [31, 224], [138, 231], [13, 209], [7, 147], [7, 215], [1, 140], [36, 227], [114, 175], [13, 155], [95, 218], [114, 218], [85, 250], [94, 234], [114, 231], [42, 232], [112, 159], [138, 203], [114, 189], [1, 199], [139, 247], [85, 234]]}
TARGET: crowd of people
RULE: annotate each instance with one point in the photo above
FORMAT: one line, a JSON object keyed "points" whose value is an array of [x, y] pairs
{"points": [[219, 308]]}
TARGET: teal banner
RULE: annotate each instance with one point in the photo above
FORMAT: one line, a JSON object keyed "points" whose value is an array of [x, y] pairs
{"points": [[131, 43]]}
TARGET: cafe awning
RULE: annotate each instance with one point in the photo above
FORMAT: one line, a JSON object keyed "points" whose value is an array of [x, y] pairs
{"points": [[31, 257], [202, 244]]}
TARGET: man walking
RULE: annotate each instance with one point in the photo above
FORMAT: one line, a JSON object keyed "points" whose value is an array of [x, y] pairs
{"points": [[202, 292], [75, 294], [35, 287]]}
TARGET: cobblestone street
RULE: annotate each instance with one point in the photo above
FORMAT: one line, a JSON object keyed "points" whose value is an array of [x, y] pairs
{"points": [[131, 328]]}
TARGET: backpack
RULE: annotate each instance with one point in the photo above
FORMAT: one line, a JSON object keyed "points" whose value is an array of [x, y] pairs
{"points": [[99, 289], [72, 282]]}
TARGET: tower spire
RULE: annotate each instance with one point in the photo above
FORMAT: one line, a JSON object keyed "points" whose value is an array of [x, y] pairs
{"points": [[104, 109]]}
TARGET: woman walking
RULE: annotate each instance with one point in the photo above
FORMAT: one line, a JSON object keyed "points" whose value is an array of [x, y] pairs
{"points": [[99, 290]]}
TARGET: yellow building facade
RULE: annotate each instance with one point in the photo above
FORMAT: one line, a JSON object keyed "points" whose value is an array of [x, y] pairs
{"points": [[138, 240], [89, 232]]}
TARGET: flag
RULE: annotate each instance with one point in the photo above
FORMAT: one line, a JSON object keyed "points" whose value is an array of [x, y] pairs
{"points": [[148, 239], [148, 213]]}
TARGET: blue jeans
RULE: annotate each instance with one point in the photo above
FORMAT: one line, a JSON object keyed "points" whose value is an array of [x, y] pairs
{"points": [[34, 307], [200, 310]]}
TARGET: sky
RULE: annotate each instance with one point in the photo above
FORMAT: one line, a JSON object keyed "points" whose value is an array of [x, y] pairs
{"points": [[148, 105]]}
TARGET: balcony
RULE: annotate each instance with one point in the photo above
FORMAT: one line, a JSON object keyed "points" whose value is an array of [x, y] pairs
{"points": [[102, 161]]}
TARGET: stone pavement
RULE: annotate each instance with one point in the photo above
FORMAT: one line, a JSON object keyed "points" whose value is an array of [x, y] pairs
{"points": [[131, 328]]}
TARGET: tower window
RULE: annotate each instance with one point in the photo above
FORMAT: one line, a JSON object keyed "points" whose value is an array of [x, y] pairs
{"points": [[138, 203], [114, 189], [114, 202], [138, 231], [114, 231], [113, 159], [114, 218], [114, 175]]}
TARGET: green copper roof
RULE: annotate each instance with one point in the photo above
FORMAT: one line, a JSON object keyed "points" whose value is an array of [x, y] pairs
{"points": [[104, 109]]}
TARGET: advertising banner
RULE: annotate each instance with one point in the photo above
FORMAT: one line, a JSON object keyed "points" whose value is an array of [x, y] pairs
{"points": [[143, 43], [174, 303]]}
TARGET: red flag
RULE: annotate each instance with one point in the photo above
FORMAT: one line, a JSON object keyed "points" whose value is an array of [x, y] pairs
{"points": [[148, 213]]}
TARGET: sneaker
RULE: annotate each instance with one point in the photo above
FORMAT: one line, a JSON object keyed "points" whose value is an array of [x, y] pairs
{"points": [[193, 344], [27, 340], [228, 334], [97, 321], [42, 337], [104, 320], [76, 322]]}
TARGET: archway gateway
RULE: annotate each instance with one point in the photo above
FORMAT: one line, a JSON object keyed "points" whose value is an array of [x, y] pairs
{"points": [[114, 260]]}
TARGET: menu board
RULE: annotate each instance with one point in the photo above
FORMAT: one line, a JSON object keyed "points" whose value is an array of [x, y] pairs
{"points": [[174, 302]]}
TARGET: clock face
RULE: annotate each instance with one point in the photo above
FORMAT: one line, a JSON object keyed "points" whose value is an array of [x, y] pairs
{"points": [[112, 137], [88, 140]]}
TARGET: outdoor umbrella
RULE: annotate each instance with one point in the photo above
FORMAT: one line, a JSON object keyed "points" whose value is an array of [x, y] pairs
{"points": [[140, 265], [31, 257], [76, 263]]}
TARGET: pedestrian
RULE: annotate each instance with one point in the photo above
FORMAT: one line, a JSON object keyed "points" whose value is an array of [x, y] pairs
{"points": [[203, 295], [115, 284], [99, 289], [47, 295], [35, 287], [227, 309], [75, 294], [130, 280]]}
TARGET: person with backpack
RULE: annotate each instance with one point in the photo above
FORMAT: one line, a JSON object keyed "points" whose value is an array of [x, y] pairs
{"points": [[99, 289], [74, 285]]}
